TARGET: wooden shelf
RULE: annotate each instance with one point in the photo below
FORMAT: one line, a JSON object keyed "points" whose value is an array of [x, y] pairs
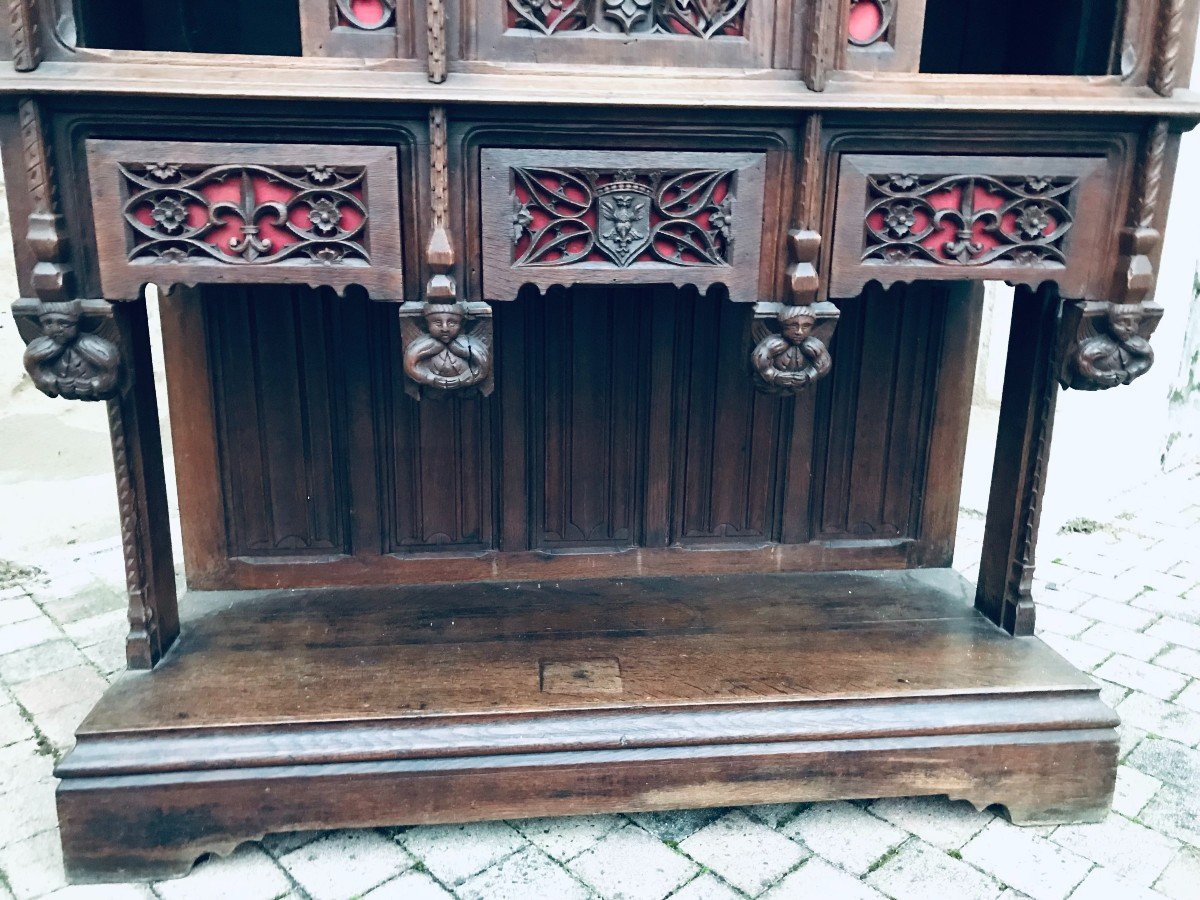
{"points": [[359, 707]]}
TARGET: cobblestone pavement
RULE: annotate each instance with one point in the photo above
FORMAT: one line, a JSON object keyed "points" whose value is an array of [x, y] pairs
{"points": [[1120, 599]]}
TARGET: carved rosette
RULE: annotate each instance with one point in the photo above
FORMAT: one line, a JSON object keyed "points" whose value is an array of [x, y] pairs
{"points": [[69, 349], [791, 351]]}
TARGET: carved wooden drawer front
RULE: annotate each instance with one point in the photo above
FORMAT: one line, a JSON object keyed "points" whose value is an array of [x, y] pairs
{"points": [[591, 217], [190, 213], [1021, 219]]}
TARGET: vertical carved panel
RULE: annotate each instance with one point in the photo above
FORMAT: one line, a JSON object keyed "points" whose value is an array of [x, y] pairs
{"points": [[875, 420], [588, 424], [276, 355], [726, 477]]}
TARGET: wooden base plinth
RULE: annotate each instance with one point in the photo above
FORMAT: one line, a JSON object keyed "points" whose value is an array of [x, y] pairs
{"points": [[353, 708]]}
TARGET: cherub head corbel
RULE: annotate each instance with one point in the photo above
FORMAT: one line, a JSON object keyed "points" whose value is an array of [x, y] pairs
{"points": [[447, 347], [62, 357], [1111, 343], [795, 354]]}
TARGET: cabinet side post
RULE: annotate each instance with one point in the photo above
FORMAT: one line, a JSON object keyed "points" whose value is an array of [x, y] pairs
{"points": [[1027, 406], [142, 494]]}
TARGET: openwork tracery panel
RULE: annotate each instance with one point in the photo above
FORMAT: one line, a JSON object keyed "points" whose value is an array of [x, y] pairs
{"points": [[194, 213], [870, 21], [369, 15], [561, 217], [703, 19]]}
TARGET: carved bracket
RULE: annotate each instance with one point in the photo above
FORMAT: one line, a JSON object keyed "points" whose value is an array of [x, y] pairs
{"points": [[447, 348], [71, 350], [1109, 343], [790, 359]]}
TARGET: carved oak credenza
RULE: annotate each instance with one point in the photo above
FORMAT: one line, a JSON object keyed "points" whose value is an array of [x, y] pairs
{"points": [[569, 399]]}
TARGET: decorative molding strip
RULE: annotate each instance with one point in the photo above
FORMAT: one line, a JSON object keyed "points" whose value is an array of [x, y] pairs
{"points": [[435, 18], [26, 45], [190, 213], [439, 252], [968, 220], [869, 21], [384, 14], [1168, 42], [45, 232]]}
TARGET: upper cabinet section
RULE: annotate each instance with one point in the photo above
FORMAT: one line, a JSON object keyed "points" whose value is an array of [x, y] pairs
{"points": [[1113, 42]]}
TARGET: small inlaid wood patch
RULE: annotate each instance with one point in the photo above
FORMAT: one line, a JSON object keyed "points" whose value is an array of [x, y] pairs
{"points": [[582, 676]]}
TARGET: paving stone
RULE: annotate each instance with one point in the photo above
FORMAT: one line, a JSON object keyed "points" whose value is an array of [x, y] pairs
{"points": [[108, 626], [1175, 812], [818, 879], [413, 886], [773, 814], [46, 693], [58, 726], [1130, 737], [1190, 697], [287, 841], [53, 656], [1176, 631], [93, 600], [102, 892], [453, 853], [14, 727], [1180, 659], [845, 835], [341, 864], [21, 635], [1067, 624], [107, 656], [1123, 640], [1134, 790], [527, 873], [1113, 588], [677, 824], [1142, 676], [1167, 761], [1183, 609], [1025, 861], [22, 765], [1076, 652], [1101, 884], [17, 609], [35, 811], [920, 872], [746, 853], [944, 823], [566, 838], [1181, 879], [33, 867], [1111, 694], [631, 864], [1062, 598], [1158, 717], [706, 886], [1118, 613], [1125, 848], [246, 874]]}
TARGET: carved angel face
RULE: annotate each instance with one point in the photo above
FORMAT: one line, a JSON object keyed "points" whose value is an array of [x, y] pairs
{"points": [[59, 327], [797, 328], [444, 326], [1124, 325]]}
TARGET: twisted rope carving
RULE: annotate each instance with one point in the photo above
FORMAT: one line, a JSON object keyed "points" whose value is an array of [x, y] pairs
{"points": [[435, 18], [35, 153], [1168, 40], [22, 19], [808, 203], [439, 167], [140, 615], [1151, 176]]}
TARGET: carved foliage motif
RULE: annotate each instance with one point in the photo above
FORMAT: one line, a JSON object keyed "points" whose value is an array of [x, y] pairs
{"points": [[795, 356], [369, 15], [870, 21], [703, 19], [570, 216], [65, 356], [241, 214], [968, 220]]}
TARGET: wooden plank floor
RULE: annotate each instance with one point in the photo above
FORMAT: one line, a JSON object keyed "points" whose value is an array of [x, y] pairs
{"points": [[427, 651]]}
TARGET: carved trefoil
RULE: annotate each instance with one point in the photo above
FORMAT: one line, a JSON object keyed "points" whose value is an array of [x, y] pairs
{"points": [[569, 217], [190, 213], [791, 351]]}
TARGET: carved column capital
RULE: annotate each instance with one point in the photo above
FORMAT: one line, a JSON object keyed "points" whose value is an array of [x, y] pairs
{"points": [[70, 351]]}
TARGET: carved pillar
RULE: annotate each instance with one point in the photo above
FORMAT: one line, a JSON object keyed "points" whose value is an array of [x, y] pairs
{"points": [[1022, 453], [95, 350], [447, 342]]}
